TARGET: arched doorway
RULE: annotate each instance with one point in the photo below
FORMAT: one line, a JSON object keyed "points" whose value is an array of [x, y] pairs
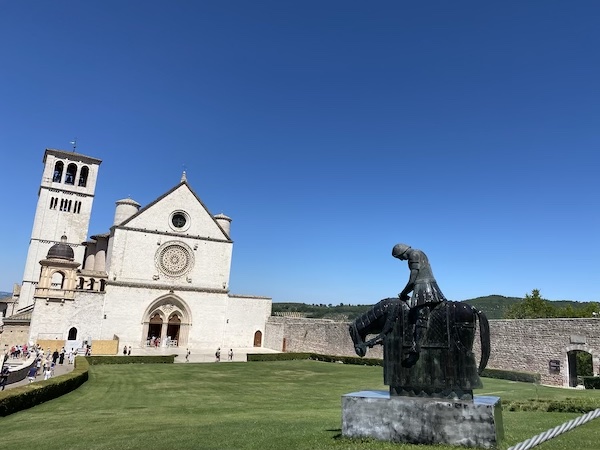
{"points": [[580, 365], [167, 317], [155, 327], [72, 334], [258, 339], [173, 328]]}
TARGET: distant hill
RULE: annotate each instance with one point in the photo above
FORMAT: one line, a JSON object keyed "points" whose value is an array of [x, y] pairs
{"points": [[5, 294], [494, 307]]}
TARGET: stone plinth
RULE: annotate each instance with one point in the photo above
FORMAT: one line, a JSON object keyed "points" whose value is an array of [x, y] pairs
{"points": [[416, 420]]}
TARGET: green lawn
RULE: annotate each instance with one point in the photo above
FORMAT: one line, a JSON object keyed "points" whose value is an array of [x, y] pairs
{"points": [[262, 405]]}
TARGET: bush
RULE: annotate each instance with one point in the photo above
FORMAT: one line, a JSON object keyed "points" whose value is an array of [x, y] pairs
{"points": [[315, 357], [591, 382], [18, 399], [347, 360], [568, 405], [276, 356], [511, 375], [96, 360]]}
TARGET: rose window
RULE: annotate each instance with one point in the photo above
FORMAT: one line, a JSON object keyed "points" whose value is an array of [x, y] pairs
{"points": [[174, 260]]}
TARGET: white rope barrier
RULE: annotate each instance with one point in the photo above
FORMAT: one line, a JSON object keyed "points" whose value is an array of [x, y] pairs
{"points": [[546, 435]]}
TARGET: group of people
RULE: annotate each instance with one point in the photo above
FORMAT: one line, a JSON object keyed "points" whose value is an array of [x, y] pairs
{"points": [[45, 362], [218, 355], [19, 351]]}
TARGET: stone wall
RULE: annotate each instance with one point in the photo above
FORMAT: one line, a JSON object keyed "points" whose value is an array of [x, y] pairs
{"points": [[521, 345], [312, 335], [530, 344], [13, 335]]}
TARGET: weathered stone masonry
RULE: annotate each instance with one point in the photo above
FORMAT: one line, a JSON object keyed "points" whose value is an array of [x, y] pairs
{"points": [[530, 344], [526, 345]]}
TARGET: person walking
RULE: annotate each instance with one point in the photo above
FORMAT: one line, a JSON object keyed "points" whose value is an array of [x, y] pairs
{"points": [[218, 355], [32, 373], [230, 355], [4, 377]]}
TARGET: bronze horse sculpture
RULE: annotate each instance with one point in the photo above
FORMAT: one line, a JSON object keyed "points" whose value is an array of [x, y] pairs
{"points": [[446, 367]]}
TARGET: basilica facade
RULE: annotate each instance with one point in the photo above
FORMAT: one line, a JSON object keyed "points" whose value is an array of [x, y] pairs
{"points": [[158, 276]]}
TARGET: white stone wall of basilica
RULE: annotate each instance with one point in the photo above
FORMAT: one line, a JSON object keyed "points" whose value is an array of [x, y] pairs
{"points": [[162, 270]]}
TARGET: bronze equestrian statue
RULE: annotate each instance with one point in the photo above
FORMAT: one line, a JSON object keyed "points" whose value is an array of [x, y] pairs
{"points": [[428, 341]]}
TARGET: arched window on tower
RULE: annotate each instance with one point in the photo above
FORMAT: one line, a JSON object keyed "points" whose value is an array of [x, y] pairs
{"points": [[72, 334], [81, 281], [71, 172], [102, 285], [83, 176], [58, 170], [58, 280]]}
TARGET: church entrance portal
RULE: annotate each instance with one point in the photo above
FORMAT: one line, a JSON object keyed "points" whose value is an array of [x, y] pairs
{"points": [[155, 326], [166, 323]]}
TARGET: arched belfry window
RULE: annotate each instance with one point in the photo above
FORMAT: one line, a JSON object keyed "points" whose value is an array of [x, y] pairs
{"points": [[72, 334], [83, 176], [58, 170], [58, 280], [70, 175]]}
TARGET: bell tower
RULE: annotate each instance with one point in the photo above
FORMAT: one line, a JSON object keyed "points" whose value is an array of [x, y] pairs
{"points": [[64, 207]]}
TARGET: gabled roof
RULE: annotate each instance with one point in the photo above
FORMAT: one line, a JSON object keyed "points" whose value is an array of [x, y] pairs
{"points": [[170, 191]]}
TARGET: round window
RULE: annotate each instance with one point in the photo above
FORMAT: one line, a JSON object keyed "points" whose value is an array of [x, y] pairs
{"points": [[178, 220]]}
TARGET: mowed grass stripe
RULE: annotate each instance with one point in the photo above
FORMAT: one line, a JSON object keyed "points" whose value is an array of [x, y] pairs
{"points": [[262, 405]]}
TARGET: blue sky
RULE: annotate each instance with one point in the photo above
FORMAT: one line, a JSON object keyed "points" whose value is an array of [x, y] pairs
{"points": [[328, 130]]}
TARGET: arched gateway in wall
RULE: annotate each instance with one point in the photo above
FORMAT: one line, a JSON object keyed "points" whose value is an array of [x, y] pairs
{"points": [[167, 322]]}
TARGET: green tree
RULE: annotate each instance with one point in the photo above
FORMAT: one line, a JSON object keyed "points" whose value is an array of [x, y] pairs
{"points": [[532, 307], [584, 364]]}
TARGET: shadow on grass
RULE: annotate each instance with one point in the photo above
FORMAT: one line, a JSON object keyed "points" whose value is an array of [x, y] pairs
{"points": [[336, 430]]}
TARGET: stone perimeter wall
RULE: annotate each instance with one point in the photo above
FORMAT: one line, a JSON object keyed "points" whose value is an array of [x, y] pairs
{"points": [[529, 345], [526, 345]]}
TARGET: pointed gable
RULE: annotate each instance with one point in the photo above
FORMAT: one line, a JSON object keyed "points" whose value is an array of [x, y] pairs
{"points": [[179, 211]]}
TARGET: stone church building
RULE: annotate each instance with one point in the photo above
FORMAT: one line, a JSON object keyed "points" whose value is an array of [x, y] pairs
{"points": [[158, 276]]}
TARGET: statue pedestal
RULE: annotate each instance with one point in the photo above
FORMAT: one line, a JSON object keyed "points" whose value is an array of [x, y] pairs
{"points": [[417, 420]]}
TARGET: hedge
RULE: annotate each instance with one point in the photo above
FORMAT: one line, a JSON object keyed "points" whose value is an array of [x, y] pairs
{"points": [[276, 356], [23, 397], [315, 357], [97, 360], [591, 382], [568, 405], [347, 360], [511, 375]]}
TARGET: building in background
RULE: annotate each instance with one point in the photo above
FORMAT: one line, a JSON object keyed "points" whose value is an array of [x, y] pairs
{"points": [[158, 277]]}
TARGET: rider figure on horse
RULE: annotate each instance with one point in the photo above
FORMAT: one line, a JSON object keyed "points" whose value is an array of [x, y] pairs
{"points": [[426, 295]]}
